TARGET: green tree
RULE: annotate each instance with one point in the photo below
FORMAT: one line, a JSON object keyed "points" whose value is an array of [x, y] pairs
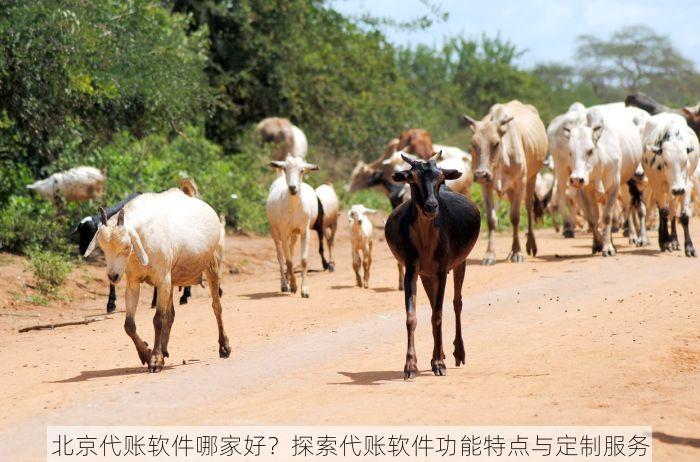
{"points": [[72, 73], [636, 58]]}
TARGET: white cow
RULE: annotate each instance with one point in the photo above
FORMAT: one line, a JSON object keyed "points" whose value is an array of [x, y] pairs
{"points": [[670, 162], [605, 153]]}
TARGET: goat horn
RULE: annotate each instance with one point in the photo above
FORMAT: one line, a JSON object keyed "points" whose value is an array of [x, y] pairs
{"points": [[408, 160], [120, 218], [436, 157], [103, 216]]}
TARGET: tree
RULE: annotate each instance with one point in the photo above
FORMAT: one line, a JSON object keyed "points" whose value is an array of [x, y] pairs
{"points": [[73, 73], [635, 58]]}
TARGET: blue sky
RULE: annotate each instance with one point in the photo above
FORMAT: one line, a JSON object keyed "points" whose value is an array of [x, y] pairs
{"points": [[546, 28]]}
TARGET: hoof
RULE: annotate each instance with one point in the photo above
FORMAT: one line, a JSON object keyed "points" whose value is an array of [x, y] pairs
{"points": [[488, 261], [410, 371], [156, 364], [304, 292], [365, 285], [438, 367], [516, 258], [690, 252], [286, 288], [596, 248], [224, 350], [642, 242], [675, 245], [111, 308], [331, 267], [166, 354], [609, 251], [568, 233], [183, 300]]}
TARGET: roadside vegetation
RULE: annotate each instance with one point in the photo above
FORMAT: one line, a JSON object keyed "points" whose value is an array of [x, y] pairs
{"points": [[149, 91]]}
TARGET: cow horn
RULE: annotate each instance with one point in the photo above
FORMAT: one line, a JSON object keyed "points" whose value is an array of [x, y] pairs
{"points": [[103, 216], [120, 218]]}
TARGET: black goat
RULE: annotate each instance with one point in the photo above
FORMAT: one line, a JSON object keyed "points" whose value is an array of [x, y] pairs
{"points": [[431, 234]]}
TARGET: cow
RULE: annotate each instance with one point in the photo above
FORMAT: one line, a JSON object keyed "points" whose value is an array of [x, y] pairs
{"points": [[509, 146], [605, 153], [670, 160]]}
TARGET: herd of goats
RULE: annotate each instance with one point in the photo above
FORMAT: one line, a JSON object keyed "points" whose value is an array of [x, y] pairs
{"points": [[610, 164]]}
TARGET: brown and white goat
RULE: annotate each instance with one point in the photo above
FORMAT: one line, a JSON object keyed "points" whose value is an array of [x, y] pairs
{"points": [[164, 239]]}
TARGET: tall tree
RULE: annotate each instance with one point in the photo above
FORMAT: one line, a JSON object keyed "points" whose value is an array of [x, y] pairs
{"points": [[636, 58]]}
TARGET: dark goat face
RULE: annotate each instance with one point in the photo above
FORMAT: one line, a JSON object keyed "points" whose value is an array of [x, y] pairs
{"points": [[86, 230], [425, 178]]}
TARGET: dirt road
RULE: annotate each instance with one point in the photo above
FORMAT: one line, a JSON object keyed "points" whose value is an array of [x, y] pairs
{"points": [[564, 338]]}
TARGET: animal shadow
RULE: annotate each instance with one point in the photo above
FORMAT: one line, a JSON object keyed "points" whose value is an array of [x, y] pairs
{"points": [[371, 377], [261, 295], [84, 376]]}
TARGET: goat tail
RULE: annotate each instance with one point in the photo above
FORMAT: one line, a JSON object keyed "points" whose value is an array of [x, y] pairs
{"points": [[189, 187]]}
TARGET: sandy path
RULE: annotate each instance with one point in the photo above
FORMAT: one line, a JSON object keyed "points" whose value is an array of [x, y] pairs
{"points": [[561, 339]]}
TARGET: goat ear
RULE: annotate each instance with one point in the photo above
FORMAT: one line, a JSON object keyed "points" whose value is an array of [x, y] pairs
{"points": [[370, 210], [310, 167], [277, 164], [567, 132], [469, 122], [93, 243], [120, 218], [450, 173], [138, 248], [597, 131], [74, 231], [401, 177]]}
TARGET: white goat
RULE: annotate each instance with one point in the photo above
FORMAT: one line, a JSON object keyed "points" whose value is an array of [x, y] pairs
{"points": [[326, 223], [292, 207], [164, 239], [361, 242], [75, 185]]}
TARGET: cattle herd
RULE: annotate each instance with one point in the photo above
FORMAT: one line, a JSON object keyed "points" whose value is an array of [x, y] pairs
{"points": [[630, 166]]}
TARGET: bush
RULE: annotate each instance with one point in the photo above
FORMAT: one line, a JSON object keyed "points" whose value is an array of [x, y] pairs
{"points": [[27, 223], [50, 270]]}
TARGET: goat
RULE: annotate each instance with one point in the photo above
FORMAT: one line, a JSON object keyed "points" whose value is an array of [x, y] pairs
{"points": [[86, 230], [75, 185], [292, 206], [326, 223], [361, 242], [290, 138], [164, 239], [432, 234]]}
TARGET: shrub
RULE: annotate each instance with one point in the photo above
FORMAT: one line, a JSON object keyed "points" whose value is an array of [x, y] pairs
{"points": [[50, 270], [27, 223]]}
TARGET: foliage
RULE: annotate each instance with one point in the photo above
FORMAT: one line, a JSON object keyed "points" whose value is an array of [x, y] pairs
{"points": [[72, 72], [28, 223], [50, 270], [635, 58]]}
